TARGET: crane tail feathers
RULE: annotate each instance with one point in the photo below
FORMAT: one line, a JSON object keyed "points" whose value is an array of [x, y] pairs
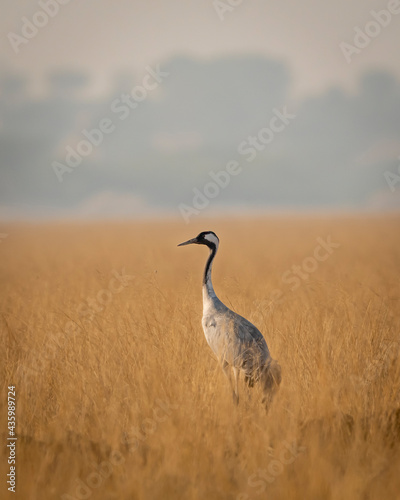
{"points": [[271, 378], [271, 375]]}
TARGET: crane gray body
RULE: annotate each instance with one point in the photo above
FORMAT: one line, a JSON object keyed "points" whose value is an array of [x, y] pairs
{"points": [[233, 339]]}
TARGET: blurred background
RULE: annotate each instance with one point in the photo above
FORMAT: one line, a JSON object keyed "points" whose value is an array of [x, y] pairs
{"points": [[131, 108]]}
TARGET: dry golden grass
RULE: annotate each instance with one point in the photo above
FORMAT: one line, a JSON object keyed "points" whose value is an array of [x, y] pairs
{"points": [[131, 404]]}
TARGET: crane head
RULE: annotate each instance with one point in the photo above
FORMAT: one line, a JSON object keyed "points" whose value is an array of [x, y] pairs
{"points": [[208, 238]]}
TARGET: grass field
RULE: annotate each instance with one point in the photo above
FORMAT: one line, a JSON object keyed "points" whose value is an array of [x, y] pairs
{"points": [[119, 396]]}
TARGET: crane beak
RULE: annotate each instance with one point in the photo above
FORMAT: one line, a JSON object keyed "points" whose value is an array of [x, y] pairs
{"points": [[188, 242]]}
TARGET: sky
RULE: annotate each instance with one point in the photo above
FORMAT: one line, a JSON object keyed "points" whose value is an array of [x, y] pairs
{"points": [[103, 37], [232, 66]]}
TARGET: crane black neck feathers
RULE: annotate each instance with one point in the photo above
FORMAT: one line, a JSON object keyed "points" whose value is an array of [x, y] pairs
{"points": [[207, 270]]}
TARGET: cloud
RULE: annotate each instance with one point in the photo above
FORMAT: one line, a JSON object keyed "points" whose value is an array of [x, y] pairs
{"points": [[167, 146], [385, 201]]}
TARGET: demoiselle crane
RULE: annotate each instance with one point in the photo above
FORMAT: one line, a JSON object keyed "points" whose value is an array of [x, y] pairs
{"points": [[237, 343]]}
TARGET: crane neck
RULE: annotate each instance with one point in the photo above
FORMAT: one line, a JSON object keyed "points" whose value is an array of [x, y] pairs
{"points": [[207, 283]]}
